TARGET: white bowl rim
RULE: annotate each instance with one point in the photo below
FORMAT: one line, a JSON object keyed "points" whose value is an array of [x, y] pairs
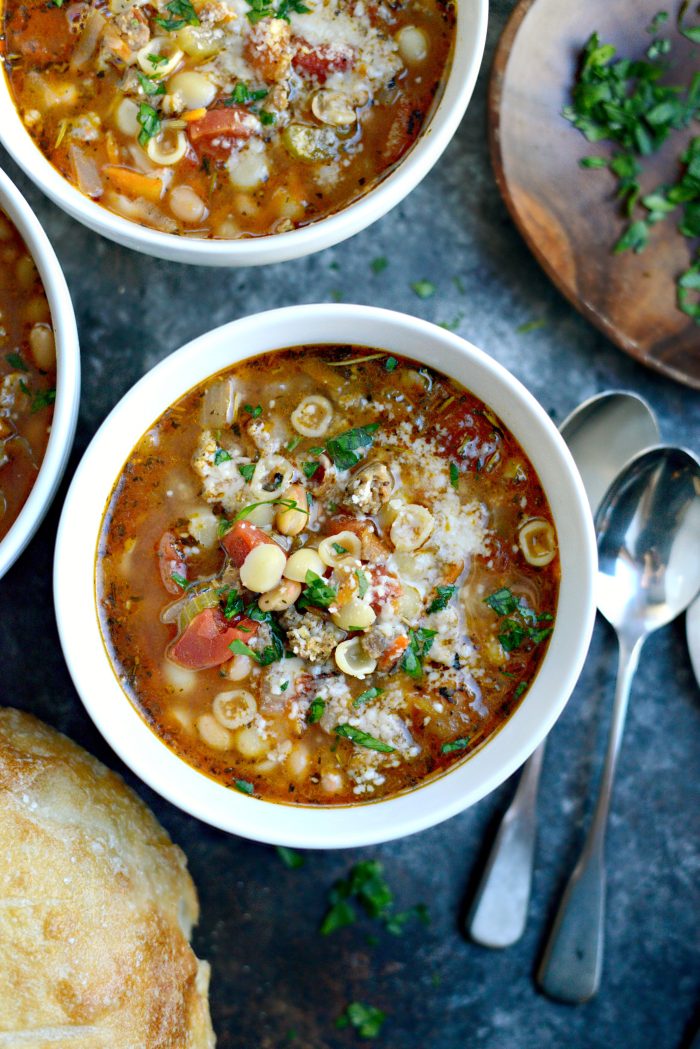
{"points": [[65, 415], [124, 728], [277, 247]]}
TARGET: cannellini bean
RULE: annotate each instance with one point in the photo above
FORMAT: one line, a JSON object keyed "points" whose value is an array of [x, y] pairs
{"points": [[263, 516], [352, 659], [126, 118], [37, 309], [298, 761], [301, 562], [281, 598], [248, 169], [312, 416], [250, 743], [272, 474], [163, 47], [169, 147], [412, 526], [186, 205], [5, 229], [263, 567], [413, 44], [193, 89], [537, 541], [212, 733], [43, 346], [293, 521], [234, 709], [354, 615], [349, 544], [238, 668], [25, 272]]}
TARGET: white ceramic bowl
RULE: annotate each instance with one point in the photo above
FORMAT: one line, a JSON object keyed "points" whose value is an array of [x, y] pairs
{"points": [[127, 732], [67, 379], [472, 17]]}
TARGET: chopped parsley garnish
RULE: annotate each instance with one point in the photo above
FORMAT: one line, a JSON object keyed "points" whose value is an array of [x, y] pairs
{"points": [[284, 686], [317, 592], [362, 583], [367, 885], [234, 604], [454, 475], [157, 60], [293, 442], [179, 580], [222, 456], [244, 786], [182, 13], [15, 361], [266, 118], [339, 549], [455, 745], [150, 85], [239, 648], [424, 289], [419, 644], [519, 622], [256, 411], [522, 685], [149, 121], [444, 595], [390, 364], [242, 95], [291, 504], [42, 399], [364, 697], [292, 859], [342, 448], [363, 739], [310, 468], [260, 9], [316, 710], [396, 923], [378, 265], [367, 1020], [246, 471]]}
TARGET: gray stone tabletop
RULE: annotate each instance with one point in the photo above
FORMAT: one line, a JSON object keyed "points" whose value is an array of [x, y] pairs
{"points": [[276, 983]]}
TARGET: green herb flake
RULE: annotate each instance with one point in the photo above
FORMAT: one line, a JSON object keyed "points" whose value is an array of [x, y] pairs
{"points": [[424, 289], [454, 475], [284, 686], [157, 60], [455, 745], [528, 326], [42, 399], [221, 456], [317, 593], [339, 549], [246, 471], [365, 697], [256, 411], [379, 264], [316, 711], [183, 13], [593, 162], [444, 595], [396, 923], [390, 364], [367, 1020], [242, 95], [342, 448], [520, 688], [310, 468], [15, 361], [362, 583], [239, 648], [244, 786], [267, 118], [234, 604], [149, 121], [179, 580], [293, 443], [292, 859], [419, 644], [362, 739], [150, 84]]}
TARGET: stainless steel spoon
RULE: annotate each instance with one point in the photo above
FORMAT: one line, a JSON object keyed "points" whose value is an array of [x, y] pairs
{"points": [[603, 434], [648, 528]]}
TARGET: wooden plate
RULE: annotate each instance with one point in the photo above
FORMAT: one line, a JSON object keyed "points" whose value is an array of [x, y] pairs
{"points": [[567, 214]]}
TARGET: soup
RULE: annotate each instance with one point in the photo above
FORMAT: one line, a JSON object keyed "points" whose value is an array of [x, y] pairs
{"points": [[226, 118], [27, 373], [327, 575]]}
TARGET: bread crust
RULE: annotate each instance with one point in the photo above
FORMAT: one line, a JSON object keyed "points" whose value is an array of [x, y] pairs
{"points": [[96, 907]]}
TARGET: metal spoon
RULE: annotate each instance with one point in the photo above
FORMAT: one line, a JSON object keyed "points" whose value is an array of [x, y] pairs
{"points": [[648, 528], [603, 434]]}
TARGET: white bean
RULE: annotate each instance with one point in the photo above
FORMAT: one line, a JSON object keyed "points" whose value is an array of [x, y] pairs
{"points": [[186, 205], [281, 598], [212, 733], [126, 118], [413, 44], [192, 89], [43, 346], [292, 521], [238, 668], [248, 169], [250, 743], [301, 562]]}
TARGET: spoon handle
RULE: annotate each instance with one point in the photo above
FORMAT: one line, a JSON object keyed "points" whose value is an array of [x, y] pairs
{"points": [[498, 915], [573, 958]]}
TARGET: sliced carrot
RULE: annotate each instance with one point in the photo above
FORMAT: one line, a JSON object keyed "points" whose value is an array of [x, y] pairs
{"points": [[194, 114], [134, 183], [393, 652]]}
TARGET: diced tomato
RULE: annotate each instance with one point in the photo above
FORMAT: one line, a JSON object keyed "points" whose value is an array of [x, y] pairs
{"points": [[232, 122], [388, 584], [205, 641], [465, 433], [40, 33], [394, 652], [320, 60], [243, 538], [171, 561]]}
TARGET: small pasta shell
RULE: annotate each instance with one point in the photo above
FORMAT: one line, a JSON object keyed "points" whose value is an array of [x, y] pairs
{"points": [[410, 604], [272, 475], [239, 668], [312, 416], [235, 708], [249, 743], [161, 47], [350, 547], [301, 562], [213, 733], [412, 526], [352, 659], [167, 148], [354, 615], [537, 541], [263, 567]]}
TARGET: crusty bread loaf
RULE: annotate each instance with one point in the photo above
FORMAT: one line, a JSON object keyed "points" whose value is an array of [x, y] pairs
{"points": [[96, 907]]}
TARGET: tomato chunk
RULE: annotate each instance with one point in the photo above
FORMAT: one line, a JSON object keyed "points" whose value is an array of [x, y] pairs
{"points": [[233, 122], [243, 538], [320, 60], [41, 34], [205, 641], [394, 652], [171, 561]]}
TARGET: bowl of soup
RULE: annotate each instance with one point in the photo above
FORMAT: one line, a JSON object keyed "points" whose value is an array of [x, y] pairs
{"points": [[39, 373], [325, 594], [234, 132]]}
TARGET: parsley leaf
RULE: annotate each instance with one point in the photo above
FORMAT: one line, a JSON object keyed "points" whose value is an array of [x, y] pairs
{"points": [[256, 412], [149, 121], [316, 710], [246, 471], [150, 85], [364, 697], [454, 475], [221, 456], [292, 859], [310, 468], [317, 592], [42, 399], [183, 14], [444, 595], [342, 448], [379, 264], [244, 786], [424, 289], [179, 580], [362, 583], [15, 361], [234, 604], [242, 95], [455, 745], [419, 644], [362, 739], [390, 364]]}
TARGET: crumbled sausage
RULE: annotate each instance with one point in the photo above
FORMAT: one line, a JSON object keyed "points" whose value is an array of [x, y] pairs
{"points": [[370, 487], [133, 28], [310, 636], [269, 49]]}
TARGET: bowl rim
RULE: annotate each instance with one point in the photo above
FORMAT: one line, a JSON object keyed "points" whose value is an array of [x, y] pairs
{"points": [[65, 415], [125, 729], [278, 247]]}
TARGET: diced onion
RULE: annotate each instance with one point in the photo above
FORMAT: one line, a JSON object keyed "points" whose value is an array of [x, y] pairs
{"points": [[86, 174], [84, 49]]}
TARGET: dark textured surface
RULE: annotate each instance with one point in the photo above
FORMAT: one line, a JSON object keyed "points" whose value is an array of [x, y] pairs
{"points": [[272, 973]]}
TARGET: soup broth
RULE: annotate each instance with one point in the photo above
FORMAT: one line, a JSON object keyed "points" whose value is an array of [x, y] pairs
{"points": [[327, 574]]}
